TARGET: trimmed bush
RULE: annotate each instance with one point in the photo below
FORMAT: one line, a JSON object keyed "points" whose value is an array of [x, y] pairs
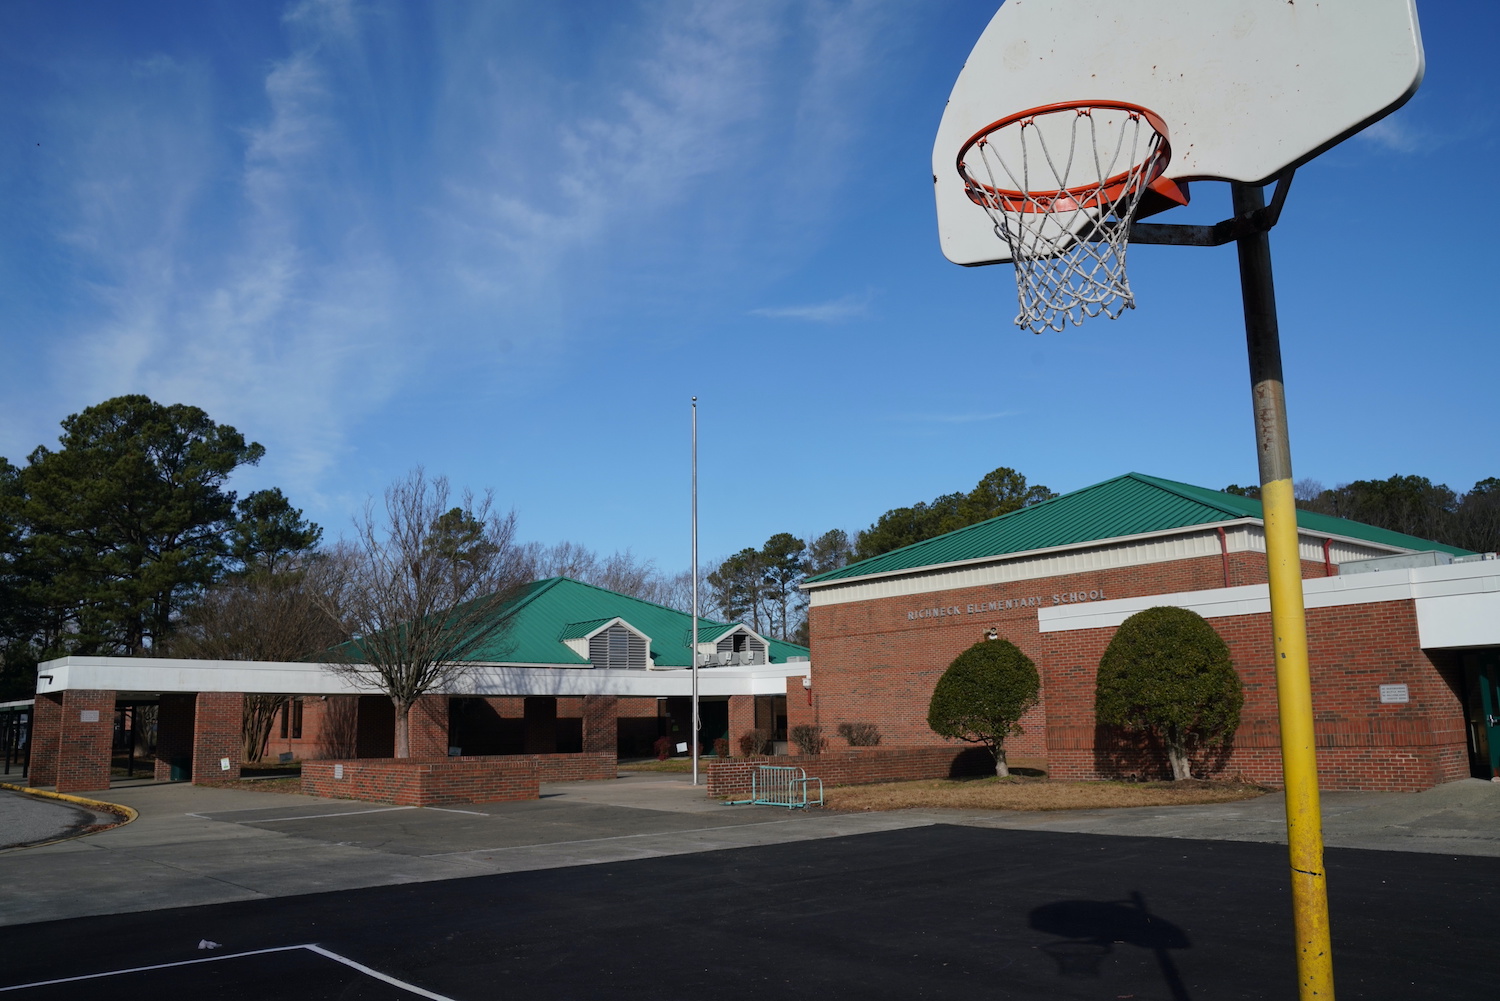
{"points": [[860, 734], [983, 695], [1167, 673], [663, 748], [754, 743], [721, 747], [808, 739]]}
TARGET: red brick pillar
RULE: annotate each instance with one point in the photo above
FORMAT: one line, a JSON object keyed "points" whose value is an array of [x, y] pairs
{"points": [[427, 727], [174, 736], [741, 720], [218, 722], [541, 724], [801, 705], [46, 723], [601, 731], [86, 730]]}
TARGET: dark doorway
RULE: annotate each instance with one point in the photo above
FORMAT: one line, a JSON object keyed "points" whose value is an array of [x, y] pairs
{"points": [[377, 728], [1482, 711]]}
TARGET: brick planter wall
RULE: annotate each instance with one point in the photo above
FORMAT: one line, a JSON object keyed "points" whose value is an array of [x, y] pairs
{"points": [[435, 781], [423, 782], [847, 768]]}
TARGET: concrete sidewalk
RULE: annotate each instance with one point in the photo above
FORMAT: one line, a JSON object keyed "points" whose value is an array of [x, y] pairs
{"points": [[198, 844]]}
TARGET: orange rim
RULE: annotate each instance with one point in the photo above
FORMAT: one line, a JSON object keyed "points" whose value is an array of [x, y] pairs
{"points": [[1096, 195]]}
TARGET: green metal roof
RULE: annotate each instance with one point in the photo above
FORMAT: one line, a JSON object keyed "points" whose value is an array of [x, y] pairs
{"points": [[578, 630], [549, 611], [1133, 504]]}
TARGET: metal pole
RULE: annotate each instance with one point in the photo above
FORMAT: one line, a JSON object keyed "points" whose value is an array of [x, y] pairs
{"points": [[1304, 822], [693, 736]]}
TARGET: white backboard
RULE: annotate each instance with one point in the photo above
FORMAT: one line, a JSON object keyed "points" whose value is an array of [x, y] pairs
{"points": [[1247, 88]]}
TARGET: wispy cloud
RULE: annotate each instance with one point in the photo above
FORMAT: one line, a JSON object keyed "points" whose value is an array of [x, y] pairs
{"points": [[241, 277], [1393, 134], [838, 310]]}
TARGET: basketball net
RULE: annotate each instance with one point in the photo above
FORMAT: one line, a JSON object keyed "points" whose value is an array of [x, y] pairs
{"points": [[1062, 184]]}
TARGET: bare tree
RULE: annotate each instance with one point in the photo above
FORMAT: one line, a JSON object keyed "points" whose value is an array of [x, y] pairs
{"points": [[265, 614], [427, 590]]}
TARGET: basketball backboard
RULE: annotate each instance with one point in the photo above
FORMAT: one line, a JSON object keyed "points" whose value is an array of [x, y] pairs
{"points": [[1246, 88]]}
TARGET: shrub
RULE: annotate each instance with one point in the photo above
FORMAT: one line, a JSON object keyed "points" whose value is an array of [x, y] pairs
{"points": [[663, 748], [1167, 673], [754, 743], [983, 695], [860, 734], [721, 747], [809, 739]]}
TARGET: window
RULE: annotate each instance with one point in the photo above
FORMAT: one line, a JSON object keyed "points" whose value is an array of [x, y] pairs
{"points": [[291, 719]]}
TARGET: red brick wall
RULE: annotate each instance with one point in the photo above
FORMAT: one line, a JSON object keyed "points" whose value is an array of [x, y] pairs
{"points": [[1361, 743], [741, 720], [862, 767], [427, 727], [46, 723], [873, 664], [430, 782], [218, 721], [83, 747], [600, 731]]}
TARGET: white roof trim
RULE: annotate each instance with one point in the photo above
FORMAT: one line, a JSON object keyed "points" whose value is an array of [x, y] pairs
{"points": [[162, 675], [1457, 605]]}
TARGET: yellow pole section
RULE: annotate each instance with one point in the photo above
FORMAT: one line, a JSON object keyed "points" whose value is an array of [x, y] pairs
{"points": [[1299, 762]]}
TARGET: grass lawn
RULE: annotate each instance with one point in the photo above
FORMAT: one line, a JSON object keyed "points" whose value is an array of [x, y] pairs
{"points": [[683, 765], [1019, 792]]}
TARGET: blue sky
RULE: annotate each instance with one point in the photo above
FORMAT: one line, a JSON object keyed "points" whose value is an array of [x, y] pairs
{"points": [[508, 241]]}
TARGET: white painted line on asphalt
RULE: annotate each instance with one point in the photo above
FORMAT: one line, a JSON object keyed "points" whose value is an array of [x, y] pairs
{"points": [[440, 809], [420, 992]]}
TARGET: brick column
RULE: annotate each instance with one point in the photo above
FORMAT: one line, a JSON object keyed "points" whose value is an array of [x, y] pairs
{"points": [[601, 730], [46, 723], [174, 735], [541, 724], [86, 729], [427, 727], [218, 722], [741, 720]]}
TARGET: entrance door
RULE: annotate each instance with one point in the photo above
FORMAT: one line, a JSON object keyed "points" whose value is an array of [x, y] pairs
{"points": [[1482, 690]]}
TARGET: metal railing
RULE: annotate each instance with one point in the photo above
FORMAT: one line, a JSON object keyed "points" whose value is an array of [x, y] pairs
{"points": [[781, 785]]}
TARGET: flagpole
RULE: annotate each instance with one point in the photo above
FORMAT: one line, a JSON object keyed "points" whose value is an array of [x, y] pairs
{"points": [[693, 735]]}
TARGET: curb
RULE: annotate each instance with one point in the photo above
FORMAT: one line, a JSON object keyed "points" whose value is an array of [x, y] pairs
{"points": [[119, 809]]}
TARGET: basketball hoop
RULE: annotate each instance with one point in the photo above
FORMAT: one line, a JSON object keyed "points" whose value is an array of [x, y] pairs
{"points": [[1061, 183]]}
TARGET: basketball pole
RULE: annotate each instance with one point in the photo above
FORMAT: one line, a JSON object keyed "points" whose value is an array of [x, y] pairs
{"points": [[1304, 822]]}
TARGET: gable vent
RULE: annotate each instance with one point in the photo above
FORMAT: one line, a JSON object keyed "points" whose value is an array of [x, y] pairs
{"points": [[618, 648]]}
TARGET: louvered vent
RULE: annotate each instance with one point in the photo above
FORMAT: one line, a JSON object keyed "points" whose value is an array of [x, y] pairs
{"points": [[618, 648]]}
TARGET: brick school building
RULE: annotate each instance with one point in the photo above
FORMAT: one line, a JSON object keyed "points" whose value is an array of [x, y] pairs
{"points": [[1404, 634]]}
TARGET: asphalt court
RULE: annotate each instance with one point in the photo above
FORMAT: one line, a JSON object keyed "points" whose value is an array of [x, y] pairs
{"points": [[925, 912], [433, 831]]}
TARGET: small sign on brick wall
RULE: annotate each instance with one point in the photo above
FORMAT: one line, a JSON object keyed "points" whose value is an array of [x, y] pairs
{"points": [[223, 764], [88, 715], [1394, 693], [338, 771]]}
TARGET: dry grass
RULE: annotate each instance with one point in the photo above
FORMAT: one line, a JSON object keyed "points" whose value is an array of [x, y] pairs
{"points": [[1023, 793], [289, 784], [683, 765]]}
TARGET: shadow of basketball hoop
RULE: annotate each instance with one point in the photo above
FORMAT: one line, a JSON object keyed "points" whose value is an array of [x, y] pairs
{"points": [[1088, 931]]}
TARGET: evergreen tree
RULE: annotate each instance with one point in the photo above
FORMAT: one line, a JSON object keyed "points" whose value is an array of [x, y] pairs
{"points": [[126, 521], [1167, 673], [983, 695]]}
